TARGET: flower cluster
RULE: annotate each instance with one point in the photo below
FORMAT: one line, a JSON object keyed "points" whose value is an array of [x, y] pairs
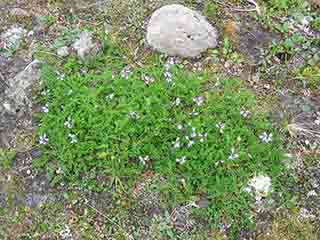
{"points": [[302, 24], [189, 140], [167, 74]]}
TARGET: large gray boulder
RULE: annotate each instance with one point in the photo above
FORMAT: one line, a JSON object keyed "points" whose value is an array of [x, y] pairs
{"points": [[179, 31]]}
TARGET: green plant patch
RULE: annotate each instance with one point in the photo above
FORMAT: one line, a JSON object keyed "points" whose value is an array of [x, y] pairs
{"points": [[6, 158], [199, 133]]}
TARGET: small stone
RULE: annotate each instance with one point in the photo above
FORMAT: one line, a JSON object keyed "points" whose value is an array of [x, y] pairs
{"points": [[35, 153], [227, 64], [107, 28], [7, 106], [179, 31], [20, 85], [12, 37], [19, 12], [203, 203], [63, 51]]}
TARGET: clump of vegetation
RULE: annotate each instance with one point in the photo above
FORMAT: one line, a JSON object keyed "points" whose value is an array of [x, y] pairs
{"points": [[6, 158], [104, 130]]}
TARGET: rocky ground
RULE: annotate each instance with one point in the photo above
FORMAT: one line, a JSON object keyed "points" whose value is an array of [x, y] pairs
{"points": [[45, 32]]}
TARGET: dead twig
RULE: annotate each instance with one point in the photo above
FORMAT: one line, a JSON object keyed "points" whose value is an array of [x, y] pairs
{"points": [[99, 212], [295, 129], [233, 8], [243, 10], [93, 5], [257, 8]]}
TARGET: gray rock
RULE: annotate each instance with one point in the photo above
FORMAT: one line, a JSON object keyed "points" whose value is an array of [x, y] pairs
{"points": [[63, 51], [33, 199], [12, 37], [179, 31], [22, 83], [84, 45], [19, 12]]}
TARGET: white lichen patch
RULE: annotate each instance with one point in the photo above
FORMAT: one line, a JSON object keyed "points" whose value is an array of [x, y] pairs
{"points": [[260, 185]]}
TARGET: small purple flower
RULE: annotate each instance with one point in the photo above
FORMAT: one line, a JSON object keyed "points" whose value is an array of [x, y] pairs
{"points": [[126, 71], [45, 108], [60, 76], [181, 160], [265, 137], [43, 139], [144, 160], [68, 123], [190, 143], [134, 115], [73, 138], [170, 62], [197, 67], [110, 96], [147, 79], [177, 102], [194, 113], [45, 92], [245, 113], [198, 100], [219, 162], [193, 133], [177, 143], [233, 155], [220, 126], [168, 76], [203, 137]]}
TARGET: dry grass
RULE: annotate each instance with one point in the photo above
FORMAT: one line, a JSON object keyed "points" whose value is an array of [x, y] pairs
{"points": [[290, 228]]}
